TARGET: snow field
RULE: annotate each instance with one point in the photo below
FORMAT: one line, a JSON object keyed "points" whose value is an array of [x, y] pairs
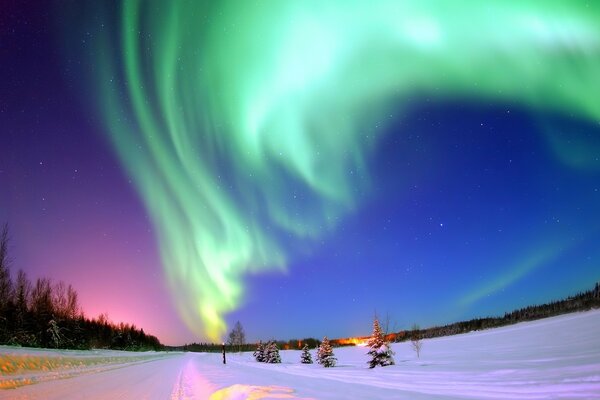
{"points": [[554, 358]]}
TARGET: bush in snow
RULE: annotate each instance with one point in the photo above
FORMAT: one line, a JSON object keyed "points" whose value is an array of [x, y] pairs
{"points": [[306, 358], [272, 354], [381, 352], [259, 353], [325, 355]]}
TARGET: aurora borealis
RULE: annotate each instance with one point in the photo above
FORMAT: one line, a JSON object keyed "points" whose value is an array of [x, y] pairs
{"points": [[265, 136]]}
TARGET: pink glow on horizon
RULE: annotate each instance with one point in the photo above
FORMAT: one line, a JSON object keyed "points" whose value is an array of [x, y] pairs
{"points": [[113, 268]]}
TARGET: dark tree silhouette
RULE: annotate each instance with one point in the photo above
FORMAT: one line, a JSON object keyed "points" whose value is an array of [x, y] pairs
{"points": [[237, 336], [48, 315]]}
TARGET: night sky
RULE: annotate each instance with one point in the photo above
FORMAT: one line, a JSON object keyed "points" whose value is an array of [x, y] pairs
{"points": [[185, 166]]}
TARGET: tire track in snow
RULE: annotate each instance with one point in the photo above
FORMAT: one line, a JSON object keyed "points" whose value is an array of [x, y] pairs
{"points": [[191, 384]]}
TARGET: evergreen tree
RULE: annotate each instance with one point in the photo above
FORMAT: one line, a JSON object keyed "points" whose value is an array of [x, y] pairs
{"points": [[259, 353], [272, 354], [325, 355], [306, 358], [22, 294], [381, 352]]}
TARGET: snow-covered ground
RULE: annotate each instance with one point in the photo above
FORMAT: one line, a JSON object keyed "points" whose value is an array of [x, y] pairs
{"points": [[551, 358]]}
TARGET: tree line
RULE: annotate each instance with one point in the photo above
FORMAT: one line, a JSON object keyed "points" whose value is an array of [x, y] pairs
{"points": [[582, 301], [236, 342], [47, 314], [205, 347]]}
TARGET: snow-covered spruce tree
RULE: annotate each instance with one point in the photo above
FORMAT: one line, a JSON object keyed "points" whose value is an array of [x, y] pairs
{"points": [[306, 358], [325, 355], [259, 353], [272, 354], [381, 352]]}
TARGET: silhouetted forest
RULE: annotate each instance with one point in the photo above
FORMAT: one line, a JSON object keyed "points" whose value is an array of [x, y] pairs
{"points": [[580, 302], [47, 314], [217, 348]]}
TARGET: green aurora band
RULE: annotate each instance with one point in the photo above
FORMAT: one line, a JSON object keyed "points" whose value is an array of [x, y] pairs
{"points": [[246, 126]]}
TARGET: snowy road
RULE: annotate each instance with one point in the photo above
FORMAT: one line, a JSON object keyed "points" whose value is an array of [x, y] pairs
{"points": [[552, 358]]}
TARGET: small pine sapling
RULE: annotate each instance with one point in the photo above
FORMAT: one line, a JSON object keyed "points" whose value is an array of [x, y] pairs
{"points": [[380, 350], [259, 353], [325, 355], [272, 354], [306, 358]]}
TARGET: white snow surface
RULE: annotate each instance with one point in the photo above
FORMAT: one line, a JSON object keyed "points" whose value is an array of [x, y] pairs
{"points": [[553, 358]]}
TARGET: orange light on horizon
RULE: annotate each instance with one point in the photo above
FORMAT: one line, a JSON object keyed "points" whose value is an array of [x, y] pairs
{"points": [[354, 341]]}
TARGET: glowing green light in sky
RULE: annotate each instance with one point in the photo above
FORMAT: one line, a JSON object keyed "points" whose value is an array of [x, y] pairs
{"points": [[247, 124]]}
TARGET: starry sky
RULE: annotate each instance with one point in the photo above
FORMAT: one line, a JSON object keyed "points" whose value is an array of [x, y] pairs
{"points": [[299, 166]]}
